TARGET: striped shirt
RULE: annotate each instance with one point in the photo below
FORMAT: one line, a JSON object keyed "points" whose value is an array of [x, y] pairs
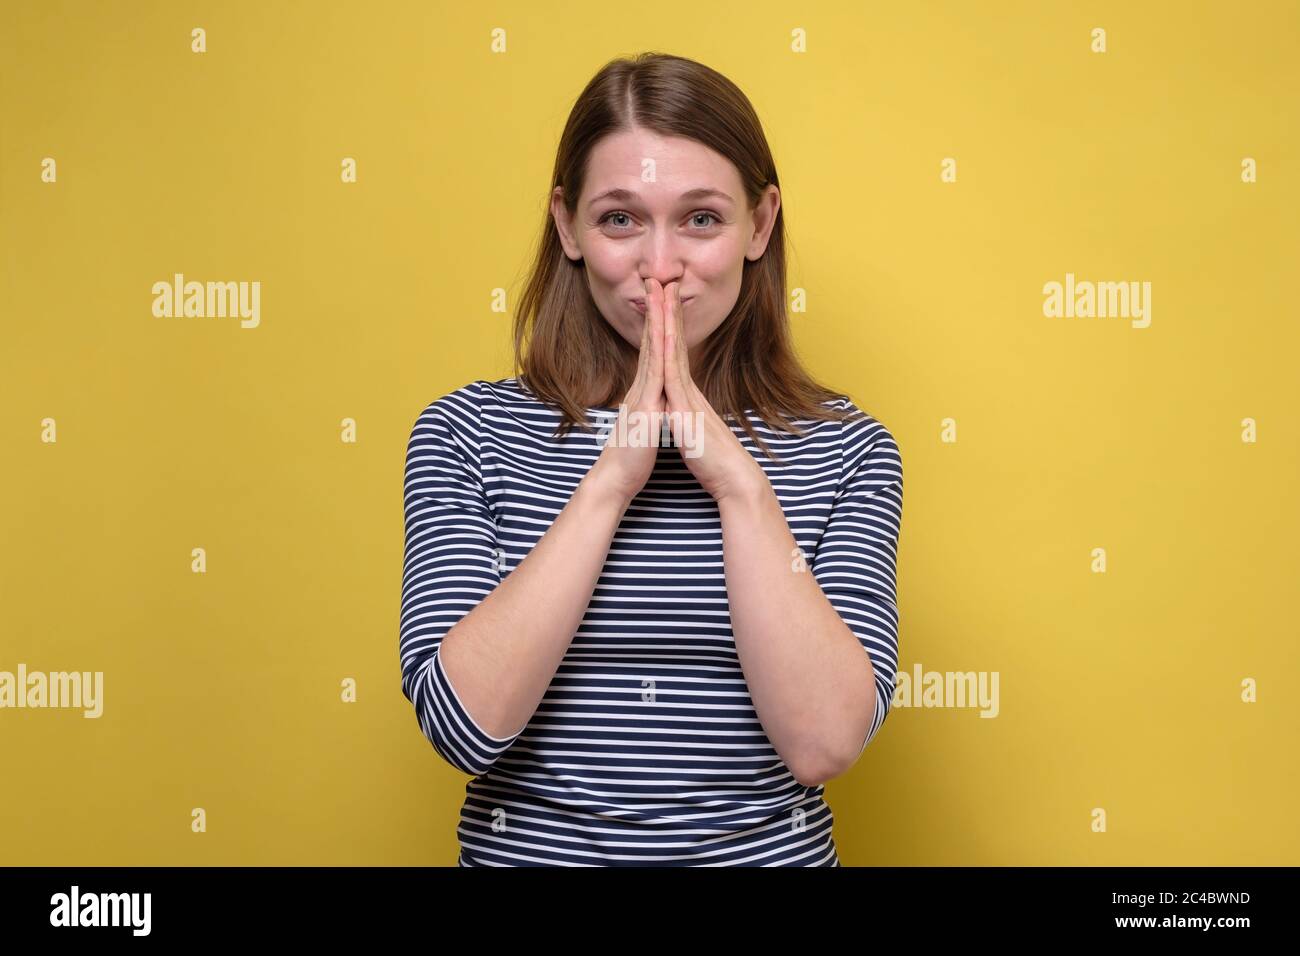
{"points": [[646, 749]]}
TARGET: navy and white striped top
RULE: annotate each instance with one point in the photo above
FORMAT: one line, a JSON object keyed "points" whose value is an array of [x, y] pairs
{"points": [[605, 774]]}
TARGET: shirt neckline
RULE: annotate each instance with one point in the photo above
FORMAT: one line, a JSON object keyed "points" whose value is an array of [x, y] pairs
{"points": [[607, 409]]}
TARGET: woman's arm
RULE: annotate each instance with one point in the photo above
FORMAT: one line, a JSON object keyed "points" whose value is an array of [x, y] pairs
{"points": [[812, 685], [800, 636], [819, 646], [478, 650], [502, 655]]}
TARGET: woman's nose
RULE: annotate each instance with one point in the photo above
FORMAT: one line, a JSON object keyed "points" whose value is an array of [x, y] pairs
{"points": [[662, 258]]}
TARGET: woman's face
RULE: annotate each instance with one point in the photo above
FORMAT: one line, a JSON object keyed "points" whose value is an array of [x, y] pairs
{"points": [[689, 224]]}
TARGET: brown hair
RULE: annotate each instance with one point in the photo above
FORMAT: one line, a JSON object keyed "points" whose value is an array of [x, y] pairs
{"points": [[573, 354]]}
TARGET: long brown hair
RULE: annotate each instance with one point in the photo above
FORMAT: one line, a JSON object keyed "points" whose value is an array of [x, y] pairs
{"points": [[565, 351]]}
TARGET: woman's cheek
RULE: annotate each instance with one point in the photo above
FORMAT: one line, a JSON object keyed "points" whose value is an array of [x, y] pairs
{"points": [[608, 269]]}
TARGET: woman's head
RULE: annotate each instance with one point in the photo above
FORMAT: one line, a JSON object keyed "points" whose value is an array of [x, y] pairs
{"points": [[669, 208], [663, 171]]}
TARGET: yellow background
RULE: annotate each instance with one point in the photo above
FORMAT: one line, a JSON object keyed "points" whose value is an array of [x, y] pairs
{"points": [[1119, 690]]}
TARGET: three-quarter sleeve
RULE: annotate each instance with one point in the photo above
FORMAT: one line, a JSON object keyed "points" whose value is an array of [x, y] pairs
{"points": [[449, 565], [856, 559]]}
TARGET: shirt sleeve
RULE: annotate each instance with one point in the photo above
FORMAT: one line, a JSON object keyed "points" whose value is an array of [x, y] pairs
{"points": [[856, 558], [449, 565]]}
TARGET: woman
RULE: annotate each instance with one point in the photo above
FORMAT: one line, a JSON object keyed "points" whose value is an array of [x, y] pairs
{"points": [[651, 653]]}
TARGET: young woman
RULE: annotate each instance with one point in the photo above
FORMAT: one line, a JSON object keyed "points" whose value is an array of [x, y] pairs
{"points": [[652, 653]]}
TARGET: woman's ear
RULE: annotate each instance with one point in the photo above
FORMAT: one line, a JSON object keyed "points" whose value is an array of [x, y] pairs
{"points": [[764, 218], [564, 225]]}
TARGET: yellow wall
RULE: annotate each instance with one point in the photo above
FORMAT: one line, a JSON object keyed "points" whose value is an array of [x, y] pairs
{"points": [[1119, 690]]}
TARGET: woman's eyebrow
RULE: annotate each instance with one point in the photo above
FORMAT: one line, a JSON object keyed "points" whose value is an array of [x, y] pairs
{"points": [[626, 195]]}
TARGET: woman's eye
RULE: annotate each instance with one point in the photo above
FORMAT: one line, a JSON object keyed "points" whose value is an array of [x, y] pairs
{"points": [[609, 216]]}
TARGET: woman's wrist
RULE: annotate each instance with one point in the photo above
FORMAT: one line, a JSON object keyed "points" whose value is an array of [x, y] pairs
{"points": [[596, 486]]}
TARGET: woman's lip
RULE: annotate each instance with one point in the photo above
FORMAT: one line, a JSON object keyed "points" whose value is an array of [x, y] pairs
{"points": [[639, 304]]}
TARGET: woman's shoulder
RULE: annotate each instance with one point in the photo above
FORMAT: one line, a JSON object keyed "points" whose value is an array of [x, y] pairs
{"points": [[479, 404], [862, 433], [459, 408]]}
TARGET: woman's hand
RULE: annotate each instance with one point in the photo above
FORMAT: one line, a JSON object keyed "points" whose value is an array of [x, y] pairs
{"points": [[711, 451], [624, 466]]}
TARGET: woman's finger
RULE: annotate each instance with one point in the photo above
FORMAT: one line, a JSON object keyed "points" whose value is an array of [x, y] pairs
{"points": [[642, 363], [674, 386], [655, 322], [683, 354]]}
